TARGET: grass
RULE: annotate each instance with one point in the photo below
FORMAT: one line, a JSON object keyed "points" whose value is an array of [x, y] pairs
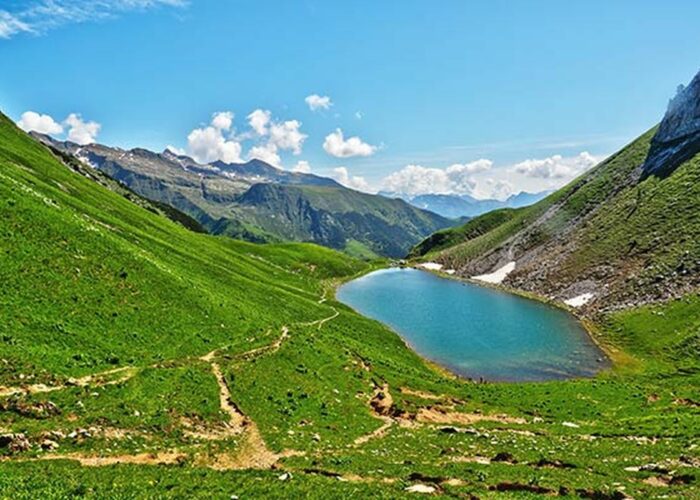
{"points": [[92, 282]]}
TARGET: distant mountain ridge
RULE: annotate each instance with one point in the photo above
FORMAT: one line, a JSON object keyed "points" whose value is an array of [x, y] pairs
{"points": [[455, 206], [257, 202]]}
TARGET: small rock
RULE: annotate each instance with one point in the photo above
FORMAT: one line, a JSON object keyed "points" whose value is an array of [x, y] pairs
{"points": [[449, 430], [49, 445], [570, 424], [285, 476], [421, 488], [57, 435], [504, 456], [316, 437], [82, 433], [14, 442]]}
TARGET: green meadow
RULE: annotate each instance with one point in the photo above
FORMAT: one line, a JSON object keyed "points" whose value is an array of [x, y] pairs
{"points": [[141, 359]]}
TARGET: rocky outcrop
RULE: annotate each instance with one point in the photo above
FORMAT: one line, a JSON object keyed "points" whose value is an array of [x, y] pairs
{"points": [[678, 137]]}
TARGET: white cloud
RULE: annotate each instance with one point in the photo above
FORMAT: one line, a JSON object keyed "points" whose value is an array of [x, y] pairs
{"points": [[287, 136], [495, 188], [222, 120], [268, 138], [413, 180], [336, 145], [44, 124], [10, 25], [267, 153], [80, 131], [259, 120], [342, 175], [208, 144], [316, 102], [302, 167], [40, 16], [460, 175], [557, 166]]}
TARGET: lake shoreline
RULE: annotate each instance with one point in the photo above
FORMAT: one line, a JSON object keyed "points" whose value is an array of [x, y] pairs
{"points": [[444, 368], [590, 326]]}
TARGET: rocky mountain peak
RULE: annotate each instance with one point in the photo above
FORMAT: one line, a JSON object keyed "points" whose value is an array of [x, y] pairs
{"points": [[678, 137]]}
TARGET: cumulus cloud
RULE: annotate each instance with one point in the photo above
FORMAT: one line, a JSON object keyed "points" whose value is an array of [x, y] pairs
{"points": [[302, 167], [266, 139], [358, 183], [413, 180], [35, 122], [497, 188], [222, 120], [557, 166], [259, 120], [267, 153], [41, 16], [316, 102], [209, 144], [336, 145], [80, 131], [287, 136]]}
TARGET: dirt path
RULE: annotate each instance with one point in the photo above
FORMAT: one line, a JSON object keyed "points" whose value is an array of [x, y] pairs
{"points": [[160, 458], [323, 321], [284, 334], [380, 404], [440, 416], [252, 452], [97, 380], [227, 405]]}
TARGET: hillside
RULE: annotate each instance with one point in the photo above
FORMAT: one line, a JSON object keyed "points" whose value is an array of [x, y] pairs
{"points": [[231, 199], [143, 359], [336, 217], [618, 235]]}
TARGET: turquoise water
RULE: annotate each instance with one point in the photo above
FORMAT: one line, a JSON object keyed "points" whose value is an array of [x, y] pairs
{"points": [[474, 331]]}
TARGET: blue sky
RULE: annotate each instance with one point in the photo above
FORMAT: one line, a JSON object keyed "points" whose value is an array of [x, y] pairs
{"points": [[477, 97]]}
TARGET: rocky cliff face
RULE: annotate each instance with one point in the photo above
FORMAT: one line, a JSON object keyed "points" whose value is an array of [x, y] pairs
{"points": [[678, 137]]}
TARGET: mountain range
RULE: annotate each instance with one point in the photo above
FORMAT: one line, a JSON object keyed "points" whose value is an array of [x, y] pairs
{"points": [[141, 358], [457, 206], [257, 202]]}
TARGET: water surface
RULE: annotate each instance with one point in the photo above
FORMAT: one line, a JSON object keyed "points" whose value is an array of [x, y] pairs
{"points": [[475, 331]]}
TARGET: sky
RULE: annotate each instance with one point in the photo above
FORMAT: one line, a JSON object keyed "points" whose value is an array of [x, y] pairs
{"points": [[485, 98]]}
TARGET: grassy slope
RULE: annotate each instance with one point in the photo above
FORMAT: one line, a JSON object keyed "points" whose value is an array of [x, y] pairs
{"points": [[476, 227], [577, 199], [640, 238], [92, 282]]}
